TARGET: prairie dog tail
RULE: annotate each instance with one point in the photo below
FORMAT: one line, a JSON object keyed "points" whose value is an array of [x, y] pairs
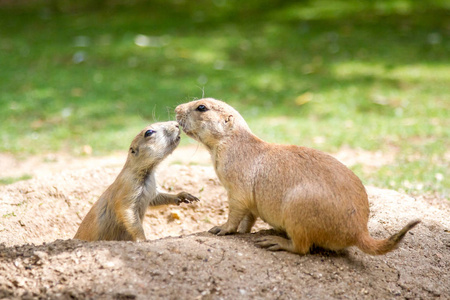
{"points": [[377, 247]]}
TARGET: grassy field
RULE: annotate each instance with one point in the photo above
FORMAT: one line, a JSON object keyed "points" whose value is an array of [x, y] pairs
{"points": [[325, 74]]}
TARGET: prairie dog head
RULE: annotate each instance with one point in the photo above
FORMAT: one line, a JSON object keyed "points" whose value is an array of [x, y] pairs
{"points": [[154, 143], [209, 121]]}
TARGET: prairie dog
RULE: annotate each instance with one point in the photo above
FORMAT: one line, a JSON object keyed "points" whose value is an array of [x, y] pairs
{"points": [[308, 194], [119, 212]]}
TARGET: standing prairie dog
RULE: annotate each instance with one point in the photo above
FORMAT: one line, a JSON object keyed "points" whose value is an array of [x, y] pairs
{"points": [[304, 192], [119, 212]]}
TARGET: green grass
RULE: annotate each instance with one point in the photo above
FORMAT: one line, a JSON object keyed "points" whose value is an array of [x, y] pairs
{"points": [[373, 75], [9, 180]]}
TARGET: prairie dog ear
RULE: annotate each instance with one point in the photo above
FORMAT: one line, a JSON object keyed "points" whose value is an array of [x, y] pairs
{"points": [[229, 119], [133, 151]]}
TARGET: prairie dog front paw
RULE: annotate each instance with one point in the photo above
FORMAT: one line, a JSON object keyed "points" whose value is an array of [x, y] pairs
{"points": [[184, 197]]}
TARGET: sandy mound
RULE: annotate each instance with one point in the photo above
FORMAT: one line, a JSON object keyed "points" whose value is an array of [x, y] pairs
{"points": [[181, 260]]}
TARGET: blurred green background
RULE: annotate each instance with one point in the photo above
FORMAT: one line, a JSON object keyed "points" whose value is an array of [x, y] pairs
{"points": [[328, 74]]}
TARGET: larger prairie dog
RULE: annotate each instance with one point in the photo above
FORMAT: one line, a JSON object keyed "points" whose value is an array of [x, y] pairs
{"points": [[304, 192], [119, 212]]}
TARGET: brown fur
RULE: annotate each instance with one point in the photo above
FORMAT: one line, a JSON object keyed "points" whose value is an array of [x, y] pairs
{"points": [[304, 192], [120, 211]]}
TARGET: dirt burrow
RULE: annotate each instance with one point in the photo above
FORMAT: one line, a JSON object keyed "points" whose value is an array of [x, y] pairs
{"points": [[182, 261]]}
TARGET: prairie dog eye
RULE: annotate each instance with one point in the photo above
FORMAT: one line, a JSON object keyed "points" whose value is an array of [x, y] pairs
{"points": [[149, 133], [202, 108]]}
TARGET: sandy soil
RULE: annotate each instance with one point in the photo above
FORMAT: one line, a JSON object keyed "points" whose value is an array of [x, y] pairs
{"points": [[181, 260]]}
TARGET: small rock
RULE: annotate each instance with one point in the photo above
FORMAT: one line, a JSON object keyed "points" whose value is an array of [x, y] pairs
{"points": [[174, 215]]}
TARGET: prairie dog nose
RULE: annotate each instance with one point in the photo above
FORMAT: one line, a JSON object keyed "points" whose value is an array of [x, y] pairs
{"points": [[173, 126]]}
